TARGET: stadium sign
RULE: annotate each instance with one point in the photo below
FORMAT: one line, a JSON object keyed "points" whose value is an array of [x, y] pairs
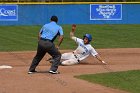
{"points": [[8, 12], [106, 12]]}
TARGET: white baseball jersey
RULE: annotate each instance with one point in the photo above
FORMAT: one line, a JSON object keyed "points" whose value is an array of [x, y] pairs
{"points": [[83, 50], [79, 54]]}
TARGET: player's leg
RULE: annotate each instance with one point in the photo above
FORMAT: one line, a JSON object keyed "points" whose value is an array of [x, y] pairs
{"points": [[39, 55], [69, 62], [67, 56], [56, 55], [64, 56]]}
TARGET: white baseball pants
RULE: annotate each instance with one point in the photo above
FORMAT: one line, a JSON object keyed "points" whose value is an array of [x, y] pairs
{"points": [[69, 59]]}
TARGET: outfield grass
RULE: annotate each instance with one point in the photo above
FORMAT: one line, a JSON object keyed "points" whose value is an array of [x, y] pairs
{"points": [[18, 38], [127, 80]]}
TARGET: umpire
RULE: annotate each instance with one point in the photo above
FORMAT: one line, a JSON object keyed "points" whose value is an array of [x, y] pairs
{"points": [[46, 36]]}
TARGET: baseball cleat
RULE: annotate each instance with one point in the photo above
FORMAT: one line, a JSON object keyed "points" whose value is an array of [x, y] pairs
{"points": [[104, 62], [31, 72], [54, 72]]}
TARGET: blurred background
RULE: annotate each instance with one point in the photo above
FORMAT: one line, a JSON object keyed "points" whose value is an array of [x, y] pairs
{"points": [[69, 0]]}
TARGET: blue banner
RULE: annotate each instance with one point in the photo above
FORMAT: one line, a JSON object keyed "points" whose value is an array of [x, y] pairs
{"points": [[8, 12], [106, 12]]}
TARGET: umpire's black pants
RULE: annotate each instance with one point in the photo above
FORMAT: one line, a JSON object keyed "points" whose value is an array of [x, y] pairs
{"points": [[46, 46]]}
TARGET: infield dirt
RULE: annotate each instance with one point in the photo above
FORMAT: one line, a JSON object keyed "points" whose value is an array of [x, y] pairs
{"points": [[16, 79]]}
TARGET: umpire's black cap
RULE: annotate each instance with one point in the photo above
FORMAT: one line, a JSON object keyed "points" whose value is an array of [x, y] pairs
{"points": [[54, 18]]}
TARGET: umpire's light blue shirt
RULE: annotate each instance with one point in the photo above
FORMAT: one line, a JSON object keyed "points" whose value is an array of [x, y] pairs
{"points": [[51, 30]]}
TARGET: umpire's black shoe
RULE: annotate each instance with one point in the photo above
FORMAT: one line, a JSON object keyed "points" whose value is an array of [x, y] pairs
{"points": [[31, 72], [54, 72]]}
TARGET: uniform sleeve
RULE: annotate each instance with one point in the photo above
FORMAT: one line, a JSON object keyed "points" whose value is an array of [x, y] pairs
{"points": [[74, 38], [77, 40], [93, 52], [61, 31]]}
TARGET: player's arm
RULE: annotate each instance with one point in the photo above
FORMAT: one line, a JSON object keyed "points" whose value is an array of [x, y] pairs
{"points": [[72, 31], [60, 37], [40, 32], [100, 59], [96, 55], [72, 36], [39, 35]]}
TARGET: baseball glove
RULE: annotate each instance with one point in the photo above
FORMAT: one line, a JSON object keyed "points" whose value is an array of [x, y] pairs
{"points": [[73, 27]]}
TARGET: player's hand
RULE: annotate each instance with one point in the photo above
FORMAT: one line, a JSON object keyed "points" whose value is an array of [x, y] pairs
{"points": [[104, 62], [73, 27], [57, 46]]}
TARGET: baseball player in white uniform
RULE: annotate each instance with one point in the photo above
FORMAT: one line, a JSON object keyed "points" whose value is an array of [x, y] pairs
{"points": [[83, 50]]}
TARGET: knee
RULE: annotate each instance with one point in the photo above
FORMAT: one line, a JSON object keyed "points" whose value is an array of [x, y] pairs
{"points": [[67, 63], [59, 56], [64, 64]]}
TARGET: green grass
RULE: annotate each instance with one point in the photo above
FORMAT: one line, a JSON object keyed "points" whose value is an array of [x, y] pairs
{"points": [[127, 81], [18, 38], [14, 38]]}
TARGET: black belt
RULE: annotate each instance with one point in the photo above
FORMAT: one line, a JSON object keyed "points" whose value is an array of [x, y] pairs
{"points": [[76, 57], [45, 39]]}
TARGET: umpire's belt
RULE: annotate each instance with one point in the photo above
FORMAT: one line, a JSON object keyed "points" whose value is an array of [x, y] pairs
{"points": [[76, 57], [45, 39]]}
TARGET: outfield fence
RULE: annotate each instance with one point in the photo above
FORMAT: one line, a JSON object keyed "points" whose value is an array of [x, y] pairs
{"points": [[69, 0], [69, 13]]}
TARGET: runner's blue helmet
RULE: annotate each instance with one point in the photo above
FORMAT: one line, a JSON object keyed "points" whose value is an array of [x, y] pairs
{"points": [[88, 36]]}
